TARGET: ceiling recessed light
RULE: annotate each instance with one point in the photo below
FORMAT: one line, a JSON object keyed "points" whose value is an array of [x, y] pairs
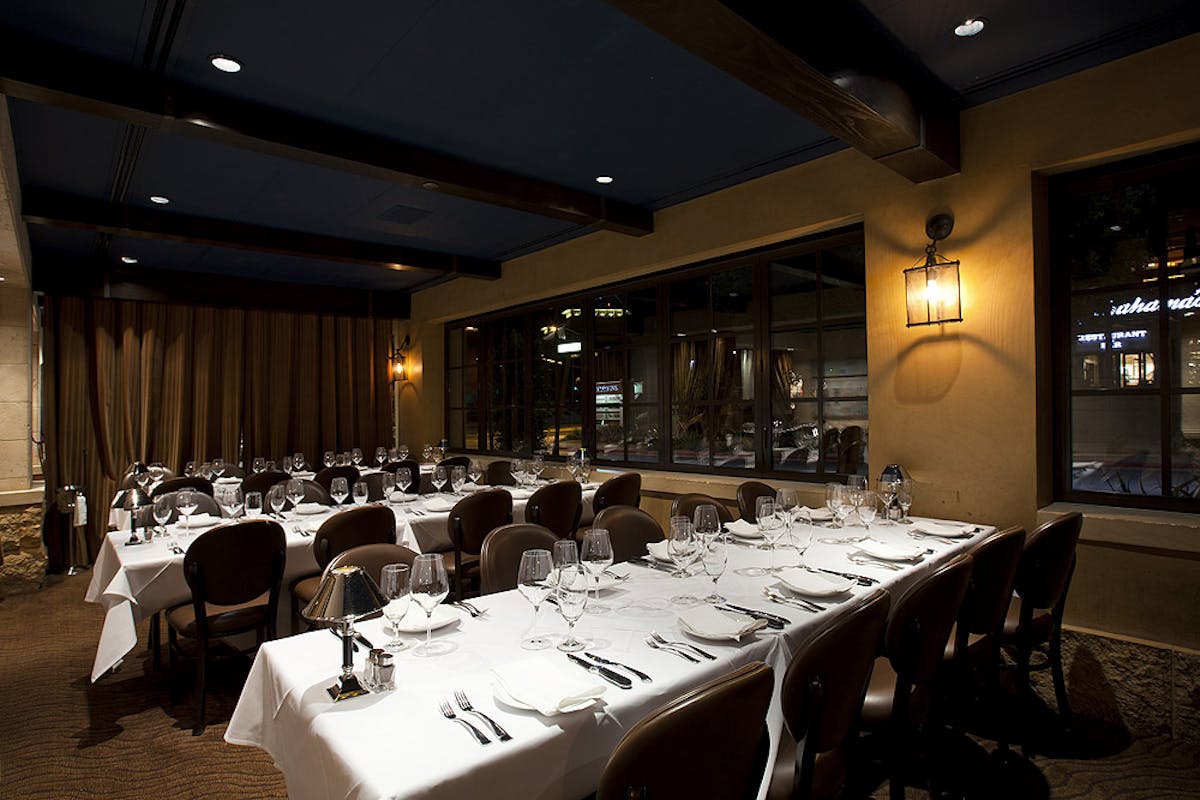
{"points": [[430, 185], [225, 63], [159, 199], [604, 179], [1114, 228], [970, 27], [128, 260]]}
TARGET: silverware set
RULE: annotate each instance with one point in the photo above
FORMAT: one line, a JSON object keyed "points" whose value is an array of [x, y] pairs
{"points": [[796, 602], [774, 622], [473, 610], [449, 714], [464, 703], [666, 644]]}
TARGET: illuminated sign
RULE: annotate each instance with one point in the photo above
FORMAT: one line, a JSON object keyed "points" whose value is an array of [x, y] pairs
{"points": [[608, 387], [1139, 306], [1113, 340], [570, 347]]}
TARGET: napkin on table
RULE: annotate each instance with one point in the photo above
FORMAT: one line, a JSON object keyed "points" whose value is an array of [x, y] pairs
{"points": [[713, 624], [548, 687], [197, 521], [310, 508], [951, 531], [659, 550], [438, 504], [740, 527]]}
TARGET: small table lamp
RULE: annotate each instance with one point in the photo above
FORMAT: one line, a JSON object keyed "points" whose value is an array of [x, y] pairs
{"points": [[346, 594], [131, 499]]}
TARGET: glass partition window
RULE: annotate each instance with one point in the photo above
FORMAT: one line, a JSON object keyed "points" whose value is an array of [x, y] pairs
{"points": [[747, 365], [1127, 301]]}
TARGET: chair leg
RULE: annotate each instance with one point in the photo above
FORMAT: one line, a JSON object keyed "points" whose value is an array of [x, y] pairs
{"points": [[295, 615], [155, 641], [201, 687], [898, 746], [1060, 683], [1024, 693], [172, 682]]}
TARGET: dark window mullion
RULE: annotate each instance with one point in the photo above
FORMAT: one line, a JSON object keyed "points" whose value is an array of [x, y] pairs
{"points": [[820, 327]]}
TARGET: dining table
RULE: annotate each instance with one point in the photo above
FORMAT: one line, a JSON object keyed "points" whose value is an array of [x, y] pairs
{"points": [[398, 743], [134, 582]]}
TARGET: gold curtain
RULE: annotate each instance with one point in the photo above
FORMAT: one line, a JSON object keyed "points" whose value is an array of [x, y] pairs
{"points": [[127, 381]]}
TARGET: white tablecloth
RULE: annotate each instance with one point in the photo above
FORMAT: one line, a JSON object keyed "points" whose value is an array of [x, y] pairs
{"points": [[397, 745]]}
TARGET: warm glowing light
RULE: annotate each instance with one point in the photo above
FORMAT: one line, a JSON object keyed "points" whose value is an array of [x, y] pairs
{"points": [[225, 63], [970, 27]]}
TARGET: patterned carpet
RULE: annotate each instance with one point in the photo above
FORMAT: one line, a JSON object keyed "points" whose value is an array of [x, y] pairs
{"points": [[62, 737]]}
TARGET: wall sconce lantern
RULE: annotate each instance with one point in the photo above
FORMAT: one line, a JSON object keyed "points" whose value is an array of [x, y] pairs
{"points": [[399, 362], [932, 288]]}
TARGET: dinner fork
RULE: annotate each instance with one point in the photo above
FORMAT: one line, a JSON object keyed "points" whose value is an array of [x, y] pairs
{"points": [[865, 560], [474, 611], [691, 647], [448, 713], [465, 704], [659, 646]]}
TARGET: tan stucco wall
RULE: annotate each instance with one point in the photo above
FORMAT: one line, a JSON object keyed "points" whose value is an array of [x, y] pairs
{"points": [[959, 406]]}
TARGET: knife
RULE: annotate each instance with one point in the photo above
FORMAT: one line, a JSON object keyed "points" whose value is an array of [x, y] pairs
{"points": [[773, 621], [625, 667], [615, 678], [649, 564], [863, 580]]}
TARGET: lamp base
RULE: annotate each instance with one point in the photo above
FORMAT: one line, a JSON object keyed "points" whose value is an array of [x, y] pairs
{"points": [[346, 688]]}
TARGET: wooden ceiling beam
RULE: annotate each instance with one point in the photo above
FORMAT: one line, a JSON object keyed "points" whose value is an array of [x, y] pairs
{"points": [[46, 73], [868, 114], [61, 210]]}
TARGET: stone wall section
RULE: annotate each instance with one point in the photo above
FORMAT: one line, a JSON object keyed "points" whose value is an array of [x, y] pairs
{"points": [[24, 565]]}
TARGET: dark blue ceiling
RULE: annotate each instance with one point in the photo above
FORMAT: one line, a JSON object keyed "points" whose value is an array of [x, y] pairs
{"points": [[560, 90]]}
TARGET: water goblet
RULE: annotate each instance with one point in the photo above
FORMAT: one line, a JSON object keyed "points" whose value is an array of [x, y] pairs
{"points": [[356, 456], [458, 478], [339, 490], [295, 493], [788, 500], [887, 494], [533, 575], [381, 455], [388, 484], [439, 478], [714, 558], [230, 498], [258, 465], [186, 503], [571, 592], [597, 556], [394, 584], [684, 548], [474, 472], [164, 504], [329, 458], [868, 509], [404, 479], [904, 496], [566, 552], [402, 452], [429, 586], [801, 534], [254, 505], [277, 498], [360, 492], [707, 521]]}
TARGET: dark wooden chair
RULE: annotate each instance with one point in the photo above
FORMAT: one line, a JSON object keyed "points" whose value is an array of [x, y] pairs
{"points": [[620, 490], [414, 469], [500, 556], [325, 477], [373, 558], [190, 482], [709, 742], [469, 523], [234, 573], [685, 505], [499, 473], [747, 498], [557, 506], [205, 504], [629, 529], [262, 482]]}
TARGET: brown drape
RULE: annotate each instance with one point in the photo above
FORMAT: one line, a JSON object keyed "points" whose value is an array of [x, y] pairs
{"points": [[127, 381]]}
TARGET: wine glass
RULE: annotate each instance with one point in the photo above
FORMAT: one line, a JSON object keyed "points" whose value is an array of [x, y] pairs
{"points": [[254, 505], [442, 447], [571, 592], [802, 533], [537, 466], [258, 465], [218, 467], [157, 471], [887, 494], [402, 452], [189, 469], [186, 503], [393, 582], [380, 456], [835, 500], [339, 490], [356, 456], [295, 492], [404, 479], [566, 553], [206, 470], [329, 459], [533, 584], [904, 496], [277, 498], [164, 504], [458, 478], [283, 464], [439, 477], [429, 587], [788, 501], [141, 477], [474, 472], [707, 521], [298, 461], [714, 559], [427, 452], [684, 549], [393, 455], [230, 498], [573, 466], [517, 470], [360, 493], [597, 555], [388, 484], [775, 527], [868, 509]]}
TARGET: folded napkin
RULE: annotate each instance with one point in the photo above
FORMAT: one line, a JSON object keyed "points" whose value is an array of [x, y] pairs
{"points": [[814, 584], [744, 529], [304, 475], [438, 504], [521, 494], [548, 687], [227, 481], [587, 487], [311, 508], [659, 550], [950, 531], [704, 620], [817, 514], [197, 521], [891, 552]]}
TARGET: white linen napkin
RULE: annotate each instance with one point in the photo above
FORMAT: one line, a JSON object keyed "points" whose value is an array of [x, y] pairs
{"points": [[744, 529], [817, 514], [197, 521], [951, 531], [814, 584], [548, 687], [891, 552], [587, 487], [438, 504], [311, 508], [704, 620], [659, 550], [227, 481]]}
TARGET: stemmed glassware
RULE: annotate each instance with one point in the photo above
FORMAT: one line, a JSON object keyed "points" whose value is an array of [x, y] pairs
{"points": [[706, 521], [835, 498], [439, 477], [518, 469], [356, 456], [205, 470], [186, 503], [284, 464], [684, 548], [404, 479], [339, 490], [402, 452], [164, 504], [566, 552], [787, 503], [277, 498], [381, 455], [254, 505], [597, 556], [868, 509], [904, 496], [770, 526], [474, 472], [295, 493], [532, 582], [801, 533], [856, 485], [157, 471], [298, 462], [230, 498], [429, 587], [714, 559], [572, 595], [218, 467], [189, 469], [573, 465], [427, 452], [887, 494], [537, 465], [394, 583], [458, 478], [258, 465], [360, 492], [388, 484], [329, 458]]}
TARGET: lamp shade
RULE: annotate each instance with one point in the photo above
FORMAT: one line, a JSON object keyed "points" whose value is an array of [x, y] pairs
{"points": [[346, 594], [131, 499]]}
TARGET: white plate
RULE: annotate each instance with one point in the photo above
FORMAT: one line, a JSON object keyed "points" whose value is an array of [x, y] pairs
{"points": [[308, 509], [414, 620], [509, 700], [891, 552], [438, 506], [719, 638], [945, 531], [814, 584]]}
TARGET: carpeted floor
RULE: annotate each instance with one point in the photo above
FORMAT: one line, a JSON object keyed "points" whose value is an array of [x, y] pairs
{"points": [[62, 737]]}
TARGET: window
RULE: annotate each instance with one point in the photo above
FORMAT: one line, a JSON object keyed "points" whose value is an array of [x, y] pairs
{"points": [[1127, 300], [747, 365]]}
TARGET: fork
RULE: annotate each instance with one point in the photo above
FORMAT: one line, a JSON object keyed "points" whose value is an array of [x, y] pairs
{"points": [[465, 704], [616, 575], [797, 602], [864, 560], [474, 611], [933, 536], [691, 647], [448, 713], [658, 646]]}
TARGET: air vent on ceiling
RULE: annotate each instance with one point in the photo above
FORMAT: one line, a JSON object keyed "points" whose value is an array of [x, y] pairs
{"points": [[404, 215]]}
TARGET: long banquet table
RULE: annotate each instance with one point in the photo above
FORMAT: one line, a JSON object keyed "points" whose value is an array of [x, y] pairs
{"points": [[396, 744], [133, 583]]}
